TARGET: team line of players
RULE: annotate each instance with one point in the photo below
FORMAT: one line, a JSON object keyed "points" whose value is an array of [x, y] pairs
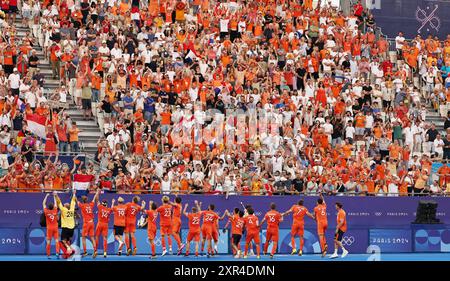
{"points": [[170, 214]]}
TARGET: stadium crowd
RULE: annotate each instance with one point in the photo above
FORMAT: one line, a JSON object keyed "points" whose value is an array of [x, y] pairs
{"points": [[336, 112]]}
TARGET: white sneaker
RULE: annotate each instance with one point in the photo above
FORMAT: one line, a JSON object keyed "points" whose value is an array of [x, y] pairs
{"points": [[251, 253], [238, 255], [164, 253], [170, 251], [333, 256], [344, 254], [215, 249]]}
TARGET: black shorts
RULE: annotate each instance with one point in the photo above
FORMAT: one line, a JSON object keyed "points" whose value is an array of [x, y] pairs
{"points": [[66, 233], [13, 9], [338, 236], [236, 238], [86, 103], [118, 230]]}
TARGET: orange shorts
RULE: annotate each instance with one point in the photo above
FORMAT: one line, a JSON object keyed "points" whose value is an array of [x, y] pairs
{"points": [[151, 233], [176, 226], [321, 229], [166, 229], [252, 236], [52, 232], [130, 227], [215, 234], [193, 236], [297, 229], [88, 229], [102, 229], [272, 235], [207, 232]]}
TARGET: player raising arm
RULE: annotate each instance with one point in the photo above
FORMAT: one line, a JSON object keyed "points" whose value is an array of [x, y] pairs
{"points": [[87, 213], [251, 223], [131, 212], [273, 218], [152, 215], [320, 214], [341, 228], [194, 228], [119, 222], [51, 219], [237, 227], [176, 222], [298, 225], [67, 223], [165, 221], [209, 223], [102, 225]]}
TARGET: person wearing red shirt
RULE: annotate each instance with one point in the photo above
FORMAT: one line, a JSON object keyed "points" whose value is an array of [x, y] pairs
{"points": [[298, 225], [152, 215], [194, 228], [119, 222], [130, 223], [102, 224], [251, 223], [320, 214], [237, 227], [273, 218], [341, 228], [87, 213], [51, 220], [165, 213]]}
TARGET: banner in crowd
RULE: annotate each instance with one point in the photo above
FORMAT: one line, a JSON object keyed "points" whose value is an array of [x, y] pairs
{"points": [[413, 17], [21, 210], [65, 159]]}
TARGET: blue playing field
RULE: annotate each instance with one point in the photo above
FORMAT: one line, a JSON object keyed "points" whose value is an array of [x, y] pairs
{"points": [[350, 257]]}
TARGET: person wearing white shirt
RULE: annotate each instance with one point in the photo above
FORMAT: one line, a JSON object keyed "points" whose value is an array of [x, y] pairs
{"points": [[439, 146], [277, 163], [14, 82], [399, 41]]}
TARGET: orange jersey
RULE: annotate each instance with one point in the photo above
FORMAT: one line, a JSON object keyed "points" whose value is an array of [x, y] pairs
{"points": [[209, 218], [342, 218], [103, 214], [87, 211], [132, 210], [321, 214], [298, 214], [51, 218], [251, 223], [177, 211], [165, 214], [152, 215], [194, 222], [273, 219], [237, 224], [119, 214]]}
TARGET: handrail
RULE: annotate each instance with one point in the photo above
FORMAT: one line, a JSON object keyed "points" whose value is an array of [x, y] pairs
{"points": [[233, 193]]}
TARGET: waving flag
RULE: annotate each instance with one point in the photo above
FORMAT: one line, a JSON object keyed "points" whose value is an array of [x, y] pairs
{"points": [[36, 124], [82, 182]]}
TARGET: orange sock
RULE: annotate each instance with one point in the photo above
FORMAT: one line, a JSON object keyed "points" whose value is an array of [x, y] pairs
{"points": [[274, 248], [84, 247], [127, 241], [153, 248], [47, 249], [133, 242], [57, 248], [266, 246], [177, 239], [105, 245], [246, 249], [163, 243], [258, 249], [302, 242], [293, 242], [169, 239]]}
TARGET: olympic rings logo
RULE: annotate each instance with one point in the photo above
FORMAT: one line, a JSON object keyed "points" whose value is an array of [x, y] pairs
{"points": [[348, 240]]}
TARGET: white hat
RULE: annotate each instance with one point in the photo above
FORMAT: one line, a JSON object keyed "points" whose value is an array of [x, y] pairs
{"points": [[15, 69]]}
